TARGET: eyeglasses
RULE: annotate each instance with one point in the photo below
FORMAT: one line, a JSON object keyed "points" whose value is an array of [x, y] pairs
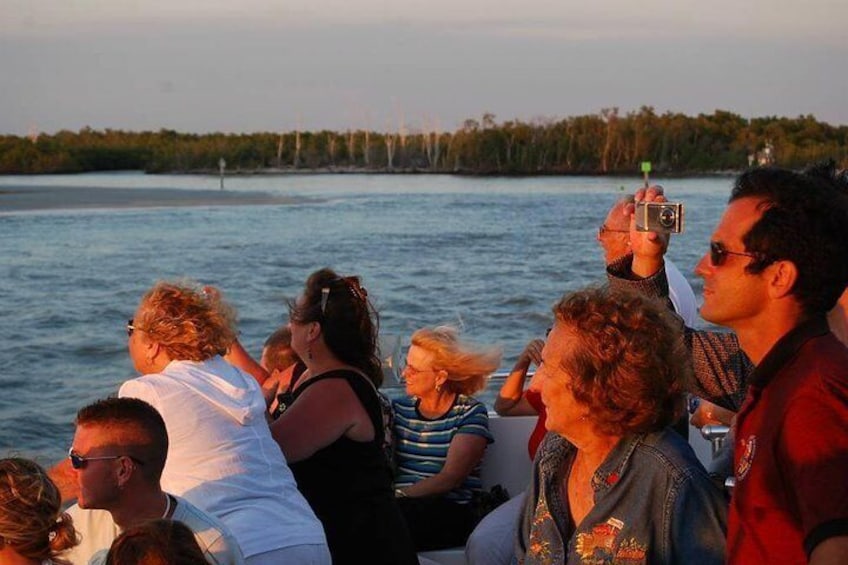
{"points": [[415, 370], [603, 228], [79, 462], [130, 327], [718, 254]]}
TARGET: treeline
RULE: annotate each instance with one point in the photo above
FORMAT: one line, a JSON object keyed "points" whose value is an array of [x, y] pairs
{"points": [[603, 143]]}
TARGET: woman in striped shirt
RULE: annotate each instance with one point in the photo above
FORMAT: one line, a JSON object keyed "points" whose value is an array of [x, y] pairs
{"points": [[441, 433]]}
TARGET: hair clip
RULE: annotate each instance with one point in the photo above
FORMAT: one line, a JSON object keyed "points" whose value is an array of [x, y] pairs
{"points": [[325, 296], [356, 290]]}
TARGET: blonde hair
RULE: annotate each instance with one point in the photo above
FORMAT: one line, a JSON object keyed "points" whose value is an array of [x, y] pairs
{"points": [[188, 322], [30, 519], [468, 367]]}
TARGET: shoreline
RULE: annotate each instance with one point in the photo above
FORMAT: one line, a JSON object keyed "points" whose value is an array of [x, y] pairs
{"points": [[43, 198], [341, 171]]}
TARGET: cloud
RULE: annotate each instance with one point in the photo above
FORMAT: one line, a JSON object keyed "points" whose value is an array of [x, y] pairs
{"points": [[202, 68], [817, 20]]}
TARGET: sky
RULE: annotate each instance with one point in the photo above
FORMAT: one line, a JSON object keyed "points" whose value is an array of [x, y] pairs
{"points": [[280, 65]]}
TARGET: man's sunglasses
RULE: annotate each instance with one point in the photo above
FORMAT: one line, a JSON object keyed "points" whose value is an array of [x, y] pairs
{"points": [[79, 462], [718, 254]]}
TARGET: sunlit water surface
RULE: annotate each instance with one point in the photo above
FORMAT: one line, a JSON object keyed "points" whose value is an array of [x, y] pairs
{"points": [[488, 254]]}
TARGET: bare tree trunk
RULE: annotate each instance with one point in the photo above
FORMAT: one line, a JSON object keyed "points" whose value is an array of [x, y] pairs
{"points": [[428, 147], [297, 145], [351, 147], [610, 116], [367, 148], [390, 149], [331, 146], [280, 152]]}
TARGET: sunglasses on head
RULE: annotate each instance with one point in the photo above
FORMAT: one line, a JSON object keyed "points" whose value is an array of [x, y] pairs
{"points": [[79, 462], [718, 254], [353, 286]]}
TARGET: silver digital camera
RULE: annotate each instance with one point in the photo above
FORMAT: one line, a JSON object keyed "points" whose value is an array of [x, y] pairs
{"points": [[659, 216]]}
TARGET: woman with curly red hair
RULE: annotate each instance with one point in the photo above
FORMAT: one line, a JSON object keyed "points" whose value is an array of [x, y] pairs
{"points": [[614, 483]]}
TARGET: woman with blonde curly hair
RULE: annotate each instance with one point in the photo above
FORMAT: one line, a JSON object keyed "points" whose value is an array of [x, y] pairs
{"points": [[221, 456], [441, 433], [614, 483], [33, 530]]}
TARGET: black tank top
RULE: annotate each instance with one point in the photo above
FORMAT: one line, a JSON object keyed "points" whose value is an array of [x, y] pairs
{"points": [[349, 486]]}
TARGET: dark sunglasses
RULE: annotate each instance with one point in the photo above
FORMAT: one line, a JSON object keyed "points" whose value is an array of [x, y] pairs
{"points": [[130, 326], [718, 254], [79, 462]]}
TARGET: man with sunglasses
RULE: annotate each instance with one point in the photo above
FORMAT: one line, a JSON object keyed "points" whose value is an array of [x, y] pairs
{"points": [[118, 454], [777, 263]]}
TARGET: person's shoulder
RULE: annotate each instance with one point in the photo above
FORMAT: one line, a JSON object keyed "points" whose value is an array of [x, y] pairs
{"points": [[469, 409], [469, 403], [667, 452], [216, 540], [85, 518], [185, 508], [403, 402], [823, 363], [96, 531]]}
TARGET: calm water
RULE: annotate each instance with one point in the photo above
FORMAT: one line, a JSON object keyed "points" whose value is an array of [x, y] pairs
{"points": [[491, 255]]}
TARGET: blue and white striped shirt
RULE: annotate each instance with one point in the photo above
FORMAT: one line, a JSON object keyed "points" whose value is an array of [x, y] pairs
{"points": [[421, 444]]}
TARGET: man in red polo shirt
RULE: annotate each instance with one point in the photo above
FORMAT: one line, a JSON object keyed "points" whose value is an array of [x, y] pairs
{"points": [[778, 262]]}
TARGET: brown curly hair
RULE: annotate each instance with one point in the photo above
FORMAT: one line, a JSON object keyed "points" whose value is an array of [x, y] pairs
{"points": [[628, 363], [31, 521], [468, 368], [189, 323]]}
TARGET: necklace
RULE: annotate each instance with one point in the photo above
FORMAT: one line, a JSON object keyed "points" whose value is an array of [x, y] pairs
{"points": [[167, 505]]}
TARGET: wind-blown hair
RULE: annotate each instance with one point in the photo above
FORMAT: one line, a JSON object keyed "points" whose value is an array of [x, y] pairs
{"points": [[805, 221], [156, 542], [468, 367], [628, 362], [190, 324], [349, 322], [133, 425], [31, 521]]}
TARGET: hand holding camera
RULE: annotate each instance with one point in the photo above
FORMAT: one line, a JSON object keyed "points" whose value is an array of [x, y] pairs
{"points": [[653, 219], [659, 216]]}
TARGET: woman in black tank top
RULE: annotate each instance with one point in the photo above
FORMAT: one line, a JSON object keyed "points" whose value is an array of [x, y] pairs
{"points": [[331, 431]]}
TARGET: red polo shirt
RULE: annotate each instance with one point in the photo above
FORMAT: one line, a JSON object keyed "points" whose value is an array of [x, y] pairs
{"points": [[791, 452]]}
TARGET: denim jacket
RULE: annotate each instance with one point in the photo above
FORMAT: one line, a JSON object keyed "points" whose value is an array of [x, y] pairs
{"points": [[654, 503]]}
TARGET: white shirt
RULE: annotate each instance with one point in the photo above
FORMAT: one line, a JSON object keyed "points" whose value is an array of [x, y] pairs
{"points": [[97, 531], [681, 295], [221, 455]]}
